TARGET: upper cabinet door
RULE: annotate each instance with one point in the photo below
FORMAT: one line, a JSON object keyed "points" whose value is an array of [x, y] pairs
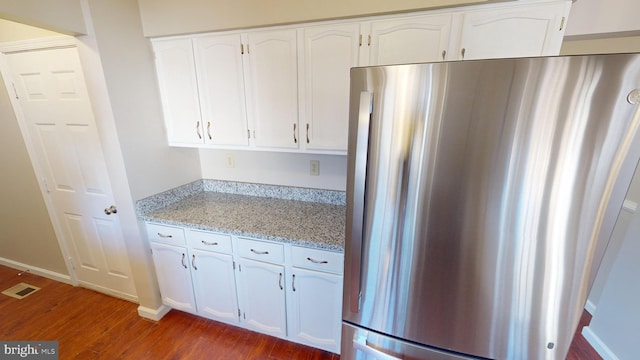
{"points": [[517, 31], [221, 88], [179, 91], [409, 40], [272, 88], [329, 53]]}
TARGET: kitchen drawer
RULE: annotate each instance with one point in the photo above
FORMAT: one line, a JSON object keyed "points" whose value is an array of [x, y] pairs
{"points": [[315, 259], [209, 241], [260, 250], [166, 234]]}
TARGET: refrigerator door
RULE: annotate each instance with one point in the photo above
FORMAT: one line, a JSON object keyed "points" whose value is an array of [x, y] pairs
{"points": [[477, 193], [369, 345]]}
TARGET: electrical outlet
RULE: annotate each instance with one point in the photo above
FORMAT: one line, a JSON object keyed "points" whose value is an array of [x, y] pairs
{"points": [[230, 161], [314, 167]]}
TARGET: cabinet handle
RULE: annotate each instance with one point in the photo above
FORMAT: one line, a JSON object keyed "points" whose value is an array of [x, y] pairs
{"points": [[193, 262], [369, 41], [462, 52], [259, 252], [241, 49], [307, 133], [208, 243], [317, 261], [164, 235], [280, 282], [444, 54], [293, 282], [183, 264], [360, 42], [198, 130], [209, 129], [295, 139]]}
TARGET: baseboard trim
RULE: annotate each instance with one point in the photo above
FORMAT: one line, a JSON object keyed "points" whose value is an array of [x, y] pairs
{"points": [[600, 347], [153, 314], [590, 307], [37, 271]]}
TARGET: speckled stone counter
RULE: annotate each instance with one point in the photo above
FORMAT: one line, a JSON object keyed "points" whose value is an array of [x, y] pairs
{"points": [[314, 218]]}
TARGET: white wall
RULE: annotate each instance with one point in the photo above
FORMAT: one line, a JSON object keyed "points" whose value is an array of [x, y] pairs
{"points": [[285, 169], [614, 330], [63, 16], [170, 17]]}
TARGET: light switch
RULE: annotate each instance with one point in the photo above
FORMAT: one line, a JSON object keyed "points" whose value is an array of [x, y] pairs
{"points": [[314, 167]]}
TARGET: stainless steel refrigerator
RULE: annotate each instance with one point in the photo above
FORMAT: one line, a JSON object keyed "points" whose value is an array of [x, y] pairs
{"points": [[480, 199]]}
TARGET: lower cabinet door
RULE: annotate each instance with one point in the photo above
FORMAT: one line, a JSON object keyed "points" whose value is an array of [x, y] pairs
{"points": [[214, 285], [316, 309], [174, 276], [261, 295]]}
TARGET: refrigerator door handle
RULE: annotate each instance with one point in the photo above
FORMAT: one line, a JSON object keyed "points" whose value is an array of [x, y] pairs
{"points": [[360, 343], [360, 174]]}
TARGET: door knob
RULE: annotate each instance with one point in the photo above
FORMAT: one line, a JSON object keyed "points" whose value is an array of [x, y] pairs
{"points": [[111, 210]]}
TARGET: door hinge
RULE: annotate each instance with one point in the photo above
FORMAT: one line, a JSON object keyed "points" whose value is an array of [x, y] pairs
{"points": [[46, 185], [15, 91]]}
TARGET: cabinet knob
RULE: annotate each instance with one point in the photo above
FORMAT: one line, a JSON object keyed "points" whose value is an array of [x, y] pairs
{"points": [[444, 54], [462, 52]]}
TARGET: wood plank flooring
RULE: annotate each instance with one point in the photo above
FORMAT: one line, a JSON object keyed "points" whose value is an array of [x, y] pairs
{"points": [[90, 325]]}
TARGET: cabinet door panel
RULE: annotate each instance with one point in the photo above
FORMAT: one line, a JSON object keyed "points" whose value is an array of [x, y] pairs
{"points": [[221, 88], [514, 32], [410, 40], [330, 52], [262, 297], [174, 277], [179, 91], [214, 284], [317, 308], [273, 88]]}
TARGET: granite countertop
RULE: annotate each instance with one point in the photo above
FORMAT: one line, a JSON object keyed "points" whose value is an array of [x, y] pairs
{"points": [[306, 223]]}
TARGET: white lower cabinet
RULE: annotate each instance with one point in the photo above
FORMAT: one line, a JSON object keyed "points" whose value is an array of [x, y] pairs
{"points": [[316, 309], [174, 276], [287, 291], [262, 297]]}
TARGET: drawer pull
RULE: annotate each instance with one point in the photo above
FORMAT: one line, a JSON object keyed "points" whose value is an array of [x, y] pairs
{"points": [[164, 235], [280, 282], [317, 261], [293, 282], [193, 262], [259, 252], [209, 243], [183, 264]]}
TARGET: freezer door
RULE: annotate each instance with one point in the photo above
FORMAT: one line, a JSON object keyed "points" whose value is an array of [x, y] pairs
{"points": [[476, 195], [362, 344]]}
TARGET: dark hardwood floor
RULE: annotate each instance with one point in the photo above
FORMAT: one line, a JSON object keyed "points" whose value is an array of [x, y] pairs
{"points": [[90, 325]]}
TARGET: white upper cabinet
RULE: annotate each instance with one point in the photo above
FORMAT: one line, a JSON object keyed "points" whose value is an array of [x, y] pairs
{"points": [[221, 89], [514, 31], [179, 91], [271, 73], [287, 88], [407, 40], [329, 53]]}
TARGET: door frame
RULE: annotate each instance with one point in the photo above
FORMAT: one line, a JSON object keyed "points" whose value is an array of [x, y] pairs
{"points": [[109, 144]]}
